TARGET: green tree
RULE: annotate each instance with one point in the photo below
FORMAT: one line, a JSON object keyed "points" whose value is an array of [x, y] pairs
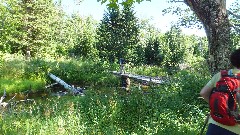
{"points": [[200, 48], [10, 23], [106, 34], [118, 34], [30, 25], [147, 35], [174, 50], [130, 33], [81, 34], [153, 54]]}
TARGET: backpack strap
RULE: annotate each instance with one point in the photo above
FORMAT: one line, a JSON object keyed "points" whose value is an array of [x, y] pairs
{"points": [[229, 73], [238, 76]]}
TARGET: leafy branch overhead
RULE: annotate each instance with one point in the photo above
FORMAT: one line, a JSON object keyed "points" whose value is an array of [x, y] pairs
{"points": [[116, 3]]}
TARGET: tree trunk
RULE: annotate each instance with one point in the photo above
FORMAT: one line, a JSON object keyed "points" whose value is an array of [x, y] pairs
{"points": [[213, 15]]}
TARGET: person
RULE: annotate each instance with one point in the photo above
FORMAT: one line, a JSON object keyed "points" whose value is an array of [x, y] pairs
{"points": [[215, 128]]}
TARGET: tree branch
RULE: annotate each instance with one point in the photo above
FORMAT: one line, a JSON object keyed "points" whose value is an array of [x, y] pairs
{"points": [[231, 13], [176, 0], [235, 28]]}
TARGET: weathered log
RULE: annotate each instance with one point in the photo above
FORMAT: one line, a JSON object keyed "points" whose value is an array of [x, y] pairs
{"points": [[73, 90], [3, 104], [3, 97]]}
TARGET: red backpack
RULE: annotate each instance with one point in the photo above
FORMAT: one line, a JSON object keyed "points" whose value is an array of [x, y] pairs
{"points": [[222, 102]]}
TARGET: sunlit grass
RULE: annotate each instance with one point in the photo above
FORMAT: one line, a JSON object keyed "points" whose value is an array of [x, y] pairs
{"points": [[172, 108], [105, 111], [19, 85]]}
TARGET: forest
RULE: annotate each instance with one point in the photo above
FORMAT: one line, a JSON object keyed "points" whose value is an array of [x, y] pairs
{"points": [[38, 38]]}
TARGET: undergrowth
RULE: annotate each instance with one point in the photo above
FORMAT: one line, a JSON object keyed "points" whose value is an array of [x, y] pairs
{"points": [[171, 108]]}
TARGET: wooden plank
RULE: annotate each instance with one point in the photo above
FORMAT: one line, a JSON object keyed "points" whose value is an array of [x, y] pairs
{"points": [[156, 80]]}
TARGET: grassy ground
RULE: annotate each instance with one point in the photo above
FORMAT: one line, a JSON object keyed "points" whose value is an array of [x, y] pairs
{"points": [[110, 111], [169, 109]]}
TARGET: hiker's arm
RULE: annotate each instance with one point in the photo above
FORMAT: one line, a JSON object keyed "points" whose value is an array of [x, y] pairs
{"points": [[207, 89], [205, 92]]}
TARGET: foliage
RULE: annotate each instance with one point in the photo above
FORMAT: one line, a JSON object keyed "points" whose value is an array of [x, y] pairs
{"points": [[118, 34], [81, 38], [116, 4], [83, 72], [21, 85], [149, 45], [14, 75], [235, 40], [207, 12], [235, 19], [166, 109], [186, 17], [51, 36], [18, 74], [154, 71], [42, 28], [174, 49], [26, 25], [153, 54], [57, 35]]}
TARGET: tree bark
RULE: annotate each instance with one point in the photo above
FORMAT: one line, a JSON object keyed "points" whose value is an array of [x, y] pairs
{"points": [[213, 15]]}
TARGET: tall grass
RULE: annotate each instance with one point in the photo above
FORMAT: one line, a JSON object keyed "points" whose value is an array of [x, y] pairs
{"points": [[107, 112], [174, 108], [18, 74]]}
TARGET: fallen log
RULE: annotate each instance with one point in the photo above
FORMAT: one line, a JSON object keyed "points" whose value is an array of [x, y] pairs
{"points": [[72, 89], [3, 97], [4, 104]]}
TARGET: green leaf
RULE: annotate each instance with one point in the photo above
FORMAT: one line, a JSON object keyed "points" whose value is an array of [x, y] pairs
{"points": [[113, 5], [102, 1]]}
